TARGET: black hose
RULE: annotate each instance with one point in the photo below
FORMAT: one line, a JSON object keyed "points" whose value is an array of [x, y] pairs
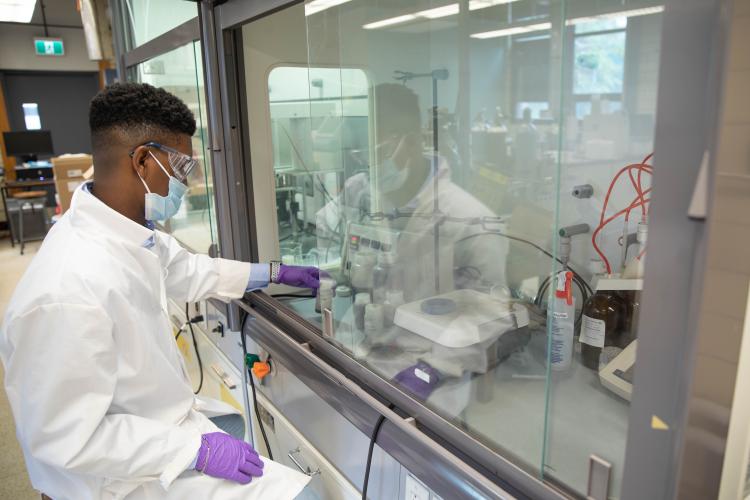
{"points": [[195, 346], [252, 387], [373, 439]]}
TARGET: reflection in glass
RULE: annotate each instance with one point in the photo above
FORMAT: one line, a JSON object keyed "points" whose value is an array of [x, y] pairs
{"points": [[147, 19], [453, 167], [180, 73]]}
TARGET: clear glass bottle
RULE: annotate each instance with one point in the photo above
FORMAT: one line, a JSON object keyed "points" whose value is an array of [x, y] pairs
{"points": [[603, 316]]}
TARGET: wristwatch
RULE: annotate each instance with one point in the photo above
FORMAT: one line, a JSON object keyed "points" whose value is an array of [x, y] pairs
{"points": [[275, 268]]}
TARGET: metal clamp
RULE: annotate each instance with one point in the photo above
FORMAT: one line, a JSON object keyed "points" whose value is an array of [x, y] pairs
{"points": [[303, 470]]}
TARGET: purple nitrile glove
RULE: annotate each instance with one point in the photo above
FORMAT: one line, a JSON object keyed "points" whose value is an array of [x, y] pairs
{"points": [[420, 379], [226, 457], [299, 276]]}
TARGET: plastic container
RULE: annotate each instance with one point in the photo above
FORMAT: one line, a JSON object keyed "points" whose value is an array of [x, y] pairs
{"points": [[324, 299], [561, 313], [373, 319], [360, 301], [361, 272], [383, 275], [342, 301]]}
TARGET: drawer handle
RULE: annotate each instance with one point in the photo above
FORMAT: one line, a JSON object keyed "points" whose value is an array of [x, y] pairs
{"points": [[303, 470], [224, 377]]}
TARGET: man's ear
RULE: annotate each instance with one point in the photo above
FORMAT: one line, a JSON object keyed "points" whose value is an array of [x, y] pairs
{"points": [[138, 160]]}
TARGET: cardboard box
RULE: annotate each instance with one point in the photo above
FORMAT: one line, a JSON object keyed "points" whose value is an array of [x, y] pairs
{"points": [[69, 174]]}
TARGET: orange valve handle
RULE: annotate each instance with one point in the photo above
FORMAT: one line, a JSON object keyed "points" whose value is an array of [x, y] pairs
{"points": [[261, 369]]}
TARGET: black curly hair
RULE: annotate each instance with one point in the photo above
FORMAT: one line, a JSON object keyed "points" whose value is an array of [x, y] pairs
{"points": [[137, 112]]}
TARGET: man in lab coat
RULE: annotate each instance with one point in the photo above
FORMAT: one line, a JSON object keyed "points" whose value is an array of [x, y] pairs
{"points": [[103, 405]]}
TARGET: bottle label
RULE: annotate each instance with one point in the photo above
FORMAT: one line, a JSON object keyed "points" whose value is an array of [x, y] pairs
{"points": [[592, 331]]}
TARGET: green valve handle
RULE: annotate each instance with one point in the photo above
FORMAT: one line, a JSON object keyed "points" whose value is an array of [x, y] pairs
{"points": [[251, 359]]}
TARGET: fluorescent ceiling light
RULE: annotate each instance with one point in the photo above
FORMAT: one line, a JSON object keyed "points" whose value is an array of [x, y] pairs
{"points": [[16, 11], [516, 30], [483, 4], [390, 21], [318, 5], [612, 15], [437, 12]]}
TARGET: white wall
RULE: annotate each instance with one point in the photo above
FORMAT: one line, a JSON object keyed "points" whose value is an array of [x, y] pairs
{"points": [[17, 49]]}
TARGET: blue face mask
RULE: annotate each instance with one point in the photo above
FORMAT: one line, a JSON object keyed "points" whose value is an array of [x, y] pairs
{"points": [[164, 207]]}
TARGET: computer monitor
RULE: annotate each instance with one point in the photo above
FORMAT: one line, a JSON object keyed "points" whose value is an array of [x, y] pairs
{"points": [[28, 143]]}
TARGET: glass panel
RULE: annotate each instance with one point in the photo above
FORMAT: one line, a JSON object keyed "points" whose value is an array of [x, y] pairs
{"points": [[605, 142], [411, 181], [427, 155], [180, 72], [147, 19]]}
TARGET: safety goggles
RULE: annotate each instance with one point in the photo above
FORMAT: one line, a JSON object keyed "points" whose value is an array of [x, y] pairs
{"points": [[180, 163]]}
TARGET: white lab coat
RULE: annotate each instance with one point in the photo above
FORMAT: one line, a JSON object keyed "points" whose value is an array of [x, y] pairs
{"points": [[100, 395]]}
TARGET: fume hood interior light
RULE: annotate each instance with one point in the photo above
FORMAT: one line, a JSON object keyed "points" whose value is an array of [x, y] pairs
{"points": [[611, 15], [438, 12], [390, 21], [483, 4], [434, 13], [16, 11], [516, 30], [319, 5]]}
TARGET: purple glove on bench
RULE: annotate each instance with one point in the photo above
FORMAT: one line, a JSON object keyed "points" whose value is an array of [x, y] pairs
{"points": [[226, 457]]}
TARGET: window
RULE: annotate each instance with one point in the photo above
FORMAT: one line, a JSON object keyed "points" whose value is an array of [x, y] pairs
{"points": [[150, 18], [31, 116], [598, 62]]}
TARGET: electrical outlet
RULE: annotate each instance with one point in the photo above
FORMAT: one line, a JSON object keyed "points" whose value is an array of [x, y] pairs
{"points": [[413, 490]]}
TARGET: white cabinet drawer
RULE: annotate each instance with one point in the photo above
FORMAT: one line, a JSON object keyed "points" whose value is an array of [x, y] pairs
{"points": [[290, 446]]}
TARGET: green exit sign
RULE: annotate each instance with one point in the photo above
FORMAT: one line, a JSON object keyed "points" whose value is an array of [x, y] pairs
{"points": [[49, 47]]}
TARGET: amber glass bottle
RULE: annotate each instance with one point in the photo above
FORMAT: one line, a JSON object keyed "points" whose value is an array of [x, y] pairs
{"points": [[632, 299], [603, 318]]}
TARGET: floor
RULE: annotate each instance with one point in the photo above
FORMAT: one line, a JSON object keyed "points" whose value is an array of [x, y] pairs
{"points": [[14, 481]]}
